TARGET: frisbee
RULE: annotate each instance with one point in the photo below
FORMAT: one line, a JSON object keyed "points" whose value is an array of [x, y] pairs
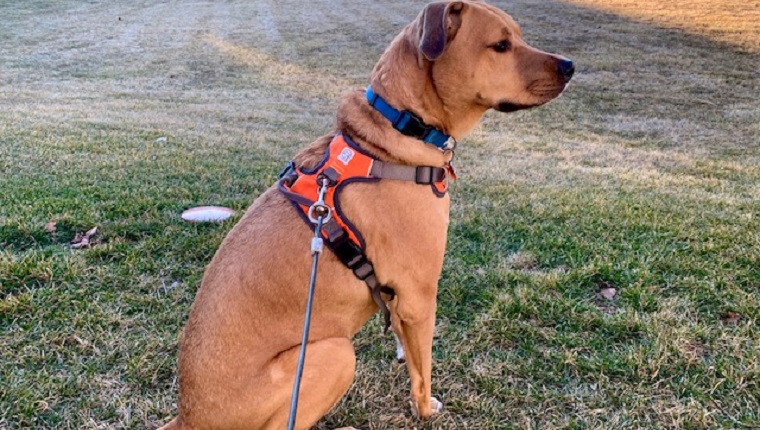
{"points": [[207, 214]]}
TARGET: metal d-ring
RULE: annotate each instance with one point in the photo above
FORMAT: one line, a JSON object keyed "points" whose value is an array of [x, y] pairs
{"points": [[320, 209]]}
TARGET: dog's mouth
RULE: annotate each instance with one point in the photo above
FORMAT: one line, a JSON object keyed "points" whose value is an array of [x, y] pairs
{"points": [[507, 107], [540, 93]]}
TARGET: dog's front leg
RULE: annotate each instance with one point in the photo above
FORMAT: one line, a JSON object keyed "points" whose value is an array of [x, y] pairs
{"points": [[400, 355], [413, 320]]}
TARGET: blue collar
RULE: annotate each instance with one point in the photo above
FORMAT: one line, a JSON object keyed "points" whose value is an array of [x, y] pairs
{"points": [[409, 124]]}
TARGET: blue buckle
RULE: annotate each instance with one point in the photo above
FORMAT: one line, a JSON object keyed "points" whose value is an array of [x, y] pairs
{"points": [[411, 125]]}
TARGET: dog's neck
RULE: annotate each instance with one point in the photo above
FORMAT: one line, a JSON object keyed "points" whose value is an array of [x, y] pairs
{"points": [[374, 132], [406, 82]]}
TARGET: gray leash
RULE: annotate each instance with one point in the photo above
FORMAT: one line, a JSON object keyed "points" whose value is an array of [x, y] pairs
{"points": [[319, 213]]}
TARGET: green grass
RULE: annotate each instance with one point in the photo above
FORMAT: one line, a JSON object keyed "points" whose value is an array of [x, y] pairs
{"points": [[642, 177]]}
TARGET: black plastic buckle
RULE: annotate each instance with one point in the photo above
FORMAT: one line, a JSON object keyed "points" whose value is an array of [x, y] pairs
{"points": [[364, 270], [347, 251], [414, 126], [353, 257]]}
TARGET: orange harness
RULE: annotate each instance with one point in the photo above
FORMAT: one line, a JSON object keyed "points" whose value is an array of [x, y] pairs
{"points": [[345, 163]]}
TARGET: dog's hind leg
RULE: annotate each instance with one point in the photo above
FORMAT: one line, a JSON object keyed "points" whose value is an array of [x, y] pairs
{"points": [[327, 375], [262, 401]]}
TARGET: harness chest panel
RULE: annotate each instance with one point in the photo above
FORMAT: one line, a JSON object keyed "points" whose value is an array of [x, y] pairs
{"points": [[348, 163], [345, 163]]}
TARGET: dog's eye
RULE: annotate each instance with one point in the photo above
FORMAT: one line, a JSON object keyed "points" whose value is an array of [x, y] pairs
{"points": [[502, 46]]}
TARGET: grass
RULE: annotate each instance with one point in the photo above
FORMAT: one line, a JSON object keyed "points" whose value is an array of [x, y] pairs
{"points": [[643, 177]]}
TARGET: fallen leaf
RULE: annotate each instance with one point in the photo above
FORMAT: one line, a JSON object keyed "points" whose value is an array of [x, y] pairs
{"points": [[42, 405], [80, 242], [608, 293], [731, 318], [691, 350], [83, 240], [51, 227]]}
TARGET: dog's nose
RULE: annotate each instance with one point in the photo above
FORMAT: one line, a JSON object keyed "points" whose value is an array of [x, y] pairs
{"points": [[566, 69]]}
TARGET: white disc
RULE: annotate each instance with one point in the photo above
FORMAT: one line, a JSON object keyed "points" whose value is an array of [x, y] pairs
{"points": [[207, 214]]}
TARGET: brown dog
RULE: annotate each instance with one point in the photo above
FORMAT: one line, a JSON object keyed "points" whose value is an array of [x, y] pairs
{"points": [[239, 350]]}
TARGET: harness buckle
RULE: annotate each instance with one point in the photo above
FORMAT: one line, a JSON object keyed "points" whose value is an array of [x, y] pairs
{"points": [[364, 270], [423, 175]]}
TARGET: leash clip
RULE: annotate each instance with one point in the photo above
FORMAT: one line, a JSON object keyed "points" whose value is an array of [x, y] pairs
{"points": [[320, 209]]}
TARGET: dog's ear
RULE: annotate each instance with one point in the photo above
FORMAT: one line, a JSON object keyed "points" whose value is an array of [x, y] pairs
{"points": [[438, 24]]}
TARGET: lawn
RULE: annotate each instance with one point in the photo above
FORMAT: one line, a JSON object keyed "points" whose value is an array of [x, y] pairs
{"points": [[603, 265]]}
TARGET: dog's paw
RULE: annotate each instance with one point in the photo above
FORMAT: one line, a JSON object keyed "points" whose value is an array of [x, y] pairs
{"points": [[400, 354], [436, 405], [435, 408]]}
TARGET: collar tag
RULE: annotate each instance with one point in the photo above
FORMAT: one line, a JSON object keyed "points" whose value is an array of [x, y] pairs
{"points": [[450, 145]]}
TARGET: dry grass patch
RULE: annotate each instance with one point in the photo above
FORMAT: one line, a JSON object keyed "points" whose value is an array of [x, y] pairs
{"points": [[735, 22]]}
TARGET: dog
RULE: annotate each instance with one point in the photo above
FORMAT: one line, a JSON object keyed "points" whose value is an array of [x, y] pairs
{"points": [[239, 349]]}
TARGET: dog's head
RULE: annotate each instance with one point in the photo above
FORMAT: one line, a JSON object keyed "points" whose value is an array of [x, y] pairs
{"points": [[478, 57]]}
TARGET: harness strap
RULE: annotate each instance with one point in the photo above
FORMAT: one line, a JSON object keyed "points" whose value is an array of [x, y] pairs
{"points": [[376, 289], [355, 259], [425, 175], [349, 253], [344, 161]]}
